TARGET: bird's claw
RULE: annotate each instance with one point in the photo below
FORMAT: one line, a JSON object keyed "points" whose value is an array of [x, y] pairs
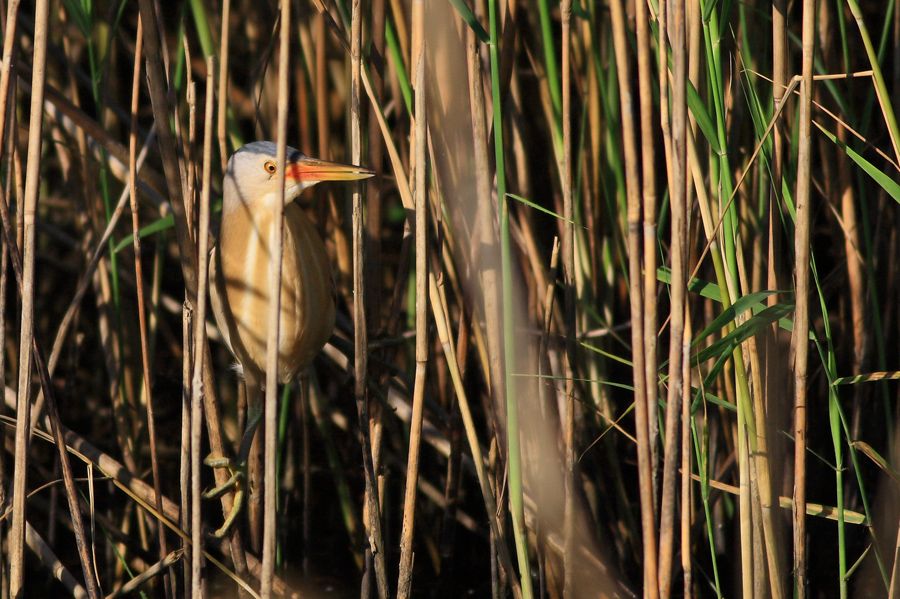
{"points": [[233, 483]]}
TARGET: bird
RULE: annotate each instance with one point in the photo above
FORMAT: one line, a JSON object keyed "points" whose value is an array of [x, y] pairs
{"points": [[239, 279]]}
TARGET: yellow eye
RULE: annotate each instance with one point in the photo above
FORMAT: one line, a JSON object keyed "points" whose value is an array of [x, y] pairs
{"points": [[270, 167]]}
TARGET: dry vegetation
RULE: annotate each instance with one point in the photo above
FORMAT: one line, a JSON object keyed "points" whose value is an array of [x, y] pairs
{"points": [[616, 317]]}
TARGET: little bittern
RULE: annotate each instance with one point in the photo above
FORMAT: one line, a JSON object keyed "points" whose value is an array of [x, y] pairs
{"points": [[238, 272]]}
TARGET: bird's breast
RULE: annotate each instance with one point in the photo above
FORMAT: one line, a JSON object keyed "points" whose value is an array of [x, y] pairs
{"points": [[240, 279]]}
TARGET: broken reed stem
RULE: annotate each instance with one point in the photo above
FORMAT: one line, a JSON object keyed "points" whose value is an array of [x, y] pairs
{"points": [[645, 483], [139, 286], [26, 334], [197, 385], [800, 337], [276, 245], [404, 585], [568, 249], [360, 332], [160, 567], [678, 253]]}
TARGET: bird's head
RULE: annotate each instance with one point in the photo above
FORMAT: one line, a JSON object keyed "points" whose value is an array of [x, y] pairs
{"points": [[252, 174]]}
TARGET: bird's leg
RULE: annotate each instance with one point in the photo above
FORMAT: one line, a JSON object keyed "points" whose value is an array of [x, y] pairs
{"points": [[255, 489], [238, 466]]}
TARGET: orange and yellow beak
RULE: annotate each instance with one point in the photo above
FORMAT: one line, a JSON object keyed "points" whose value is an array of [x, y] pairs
{"points": [[313, 170]]}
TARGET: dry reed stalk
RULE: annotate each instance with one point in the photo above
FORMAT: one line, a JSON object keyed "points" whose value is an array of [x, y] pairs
{"points": [[373, 186], [759, 447], [360, 331], [4, 277], [199, 338], [72, 496], [189, 183], [571, 332], [800, 337], [686, 498], [404, 585], [486, 223], [662, 63], [852, 249], [184, 473], [645, 483], [678, 253], [745, 501], [342, 249], [222, 122], [52, 563], [139, 286], [26, 334], [780, 61], [7, 143], [160, 567], [276, 252], [9, 38], [172, 168], [648, 191]]}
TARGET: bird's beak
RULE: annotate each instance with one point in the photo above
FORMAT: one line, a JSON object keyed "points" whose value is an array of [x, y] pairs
{"points": [[312, 170]]}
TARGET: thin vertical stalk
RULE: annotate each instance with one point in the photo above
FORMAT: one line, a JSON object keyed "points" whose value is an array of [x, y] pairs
{"points": [[568, 247], [360, 332], [881, 89], [514, 455], [486, 219], [184, 475], [9, 38], [222, 123], [800, 339], [139, 286], [26, 334], [197, 386], [153, 52], [488, 240], [404, 586], [678, 252], [374, 200], [276, 243], [645, 484], [648, 180], [662, 63], [686, 487], [6, 110], [779, 83]]}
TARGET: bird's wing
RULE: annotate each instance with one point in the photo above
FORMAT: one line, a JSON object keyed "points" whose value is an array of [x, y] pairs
{"points": [[216, 295]]}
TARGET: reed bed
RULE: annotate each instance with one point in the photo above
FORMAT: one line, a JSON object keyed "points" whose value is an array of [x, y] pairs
{"points": [[618, 315]]}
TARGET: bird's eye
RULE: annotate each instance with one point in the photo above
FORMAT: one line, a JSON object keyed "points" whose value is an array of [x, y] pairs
{"points": [[270, 167]]}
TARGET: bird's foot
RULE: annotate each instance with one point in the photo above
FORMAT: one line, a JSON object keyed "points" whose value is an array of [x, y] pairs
{"points": [[234, 482]]}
